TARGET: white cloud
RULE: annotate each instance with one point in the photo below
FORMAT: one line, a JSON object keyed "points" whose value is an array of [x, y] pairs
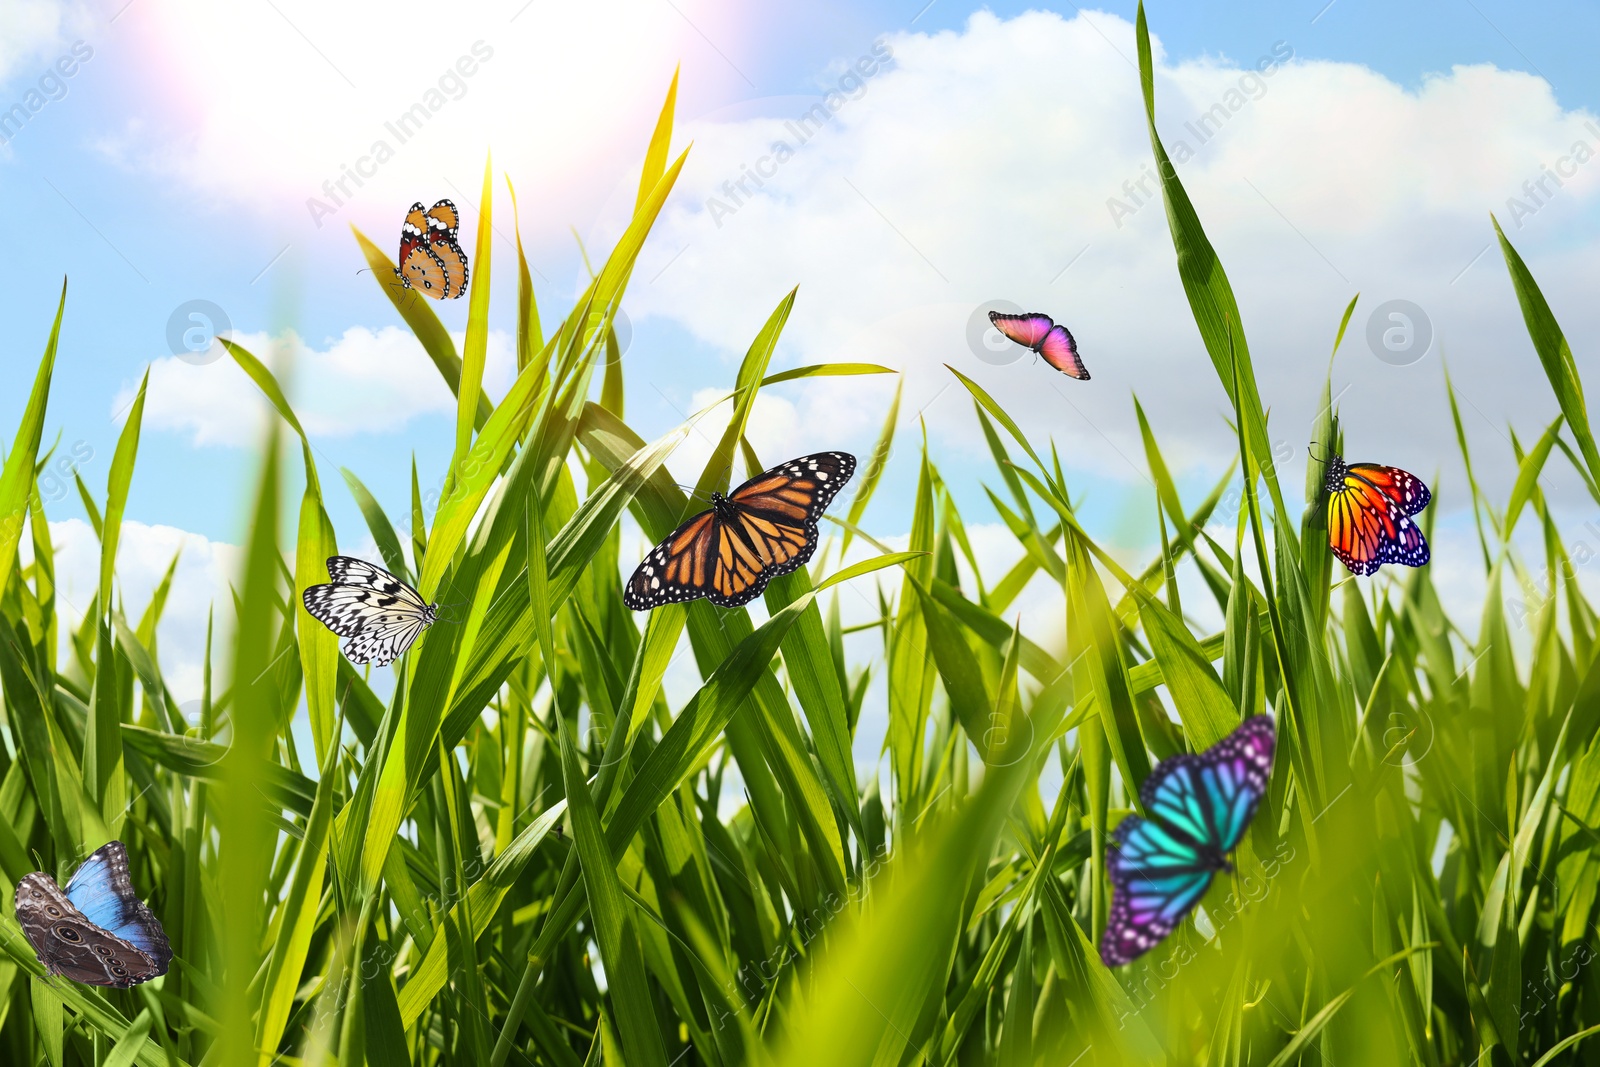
{"points": [[31, 31], [144, 553], [365, 381], [980, 164]]}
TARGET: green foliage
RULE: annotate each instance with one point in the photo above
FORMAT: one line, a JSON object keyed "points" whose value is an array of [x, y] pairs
{"points": [[529, 854]]}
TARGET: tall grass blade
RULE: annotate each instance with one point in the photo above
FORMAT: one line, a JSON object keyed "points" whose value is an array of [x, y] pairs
{"points": [[1551, 345]]}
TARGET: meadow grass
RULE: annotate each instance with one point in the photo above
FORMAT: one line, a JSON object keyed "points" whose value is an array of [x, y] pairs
{"points": [[525, 855]]}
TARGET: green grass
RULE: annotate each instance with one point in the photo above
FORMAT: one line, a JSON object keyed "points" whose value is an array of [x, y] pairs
{"points": [[409, 899]]}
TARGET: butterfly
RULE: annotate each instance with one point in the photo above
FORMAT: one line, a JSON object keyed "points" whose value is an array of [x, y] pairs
{"points": [[728, 554], [1197, 808], [98, 931], [1369, 515], [380, 614], [431, 261], [1040, 333]]}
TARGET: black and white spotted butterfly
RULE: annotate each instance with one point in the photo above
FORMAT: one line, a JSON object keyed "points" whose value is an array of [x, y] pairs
{"points": [[380, 614]]}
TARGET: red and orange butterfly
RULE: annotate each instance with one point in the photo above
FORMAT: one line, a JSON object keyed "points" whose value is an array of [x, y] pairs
{"points": [[1369, 515], [728, 554], [431, 261]]}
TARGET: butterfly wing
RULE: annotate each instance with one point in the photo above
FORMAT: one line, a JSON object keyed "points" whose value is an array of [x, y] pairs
{"points": [[349, 570], [1405, 495], [68, 944], [1198, 805], [382, 645], [413, 233], [1369, 518], [1175, 795], [434, 263], [453, 261], [1210, 798], [344, 609], [1027, 330], [1233, 775], [443, 220], [102, 890], [1157, 877], [380, 614], [59, 935], [798, 490], [1061, 352], [1408, 492], [751, 552], [774, 531], [678, 569], [426, 271], [1410, 549], [702, 558]]}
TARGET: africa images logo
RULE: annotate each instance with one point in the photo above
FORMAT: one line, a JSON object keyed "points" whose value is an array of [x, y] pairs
{"points": [[51, 85], [852, 85], [1249, 87]]}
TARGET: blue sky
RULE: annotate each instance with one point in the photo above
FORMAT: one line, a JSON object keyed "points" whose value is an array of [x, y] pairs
{"points": [[177, 161]]}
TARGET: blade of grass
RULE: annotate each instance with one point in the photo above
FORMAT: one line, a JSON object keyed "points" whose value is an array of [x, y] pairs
{"points": [[476, 347], [613, 919], [394, 557], [423, 321], [245, 851], [1551, 346], [1528, 477], [1205, 283], [16, 479]]}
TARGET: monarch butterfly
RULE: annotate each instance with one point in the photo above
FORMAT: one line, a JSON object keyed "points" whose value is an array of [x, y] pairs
{"points": [[431, 261], [1369, 515], [764, 528], [1040, 333], [1198, 809], [380, 614]]}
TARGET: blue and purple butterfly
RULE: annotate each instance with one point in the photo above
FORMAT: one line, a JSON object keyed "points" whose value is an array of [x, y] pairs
{"points": [[1040, 333], [1197, 810]]}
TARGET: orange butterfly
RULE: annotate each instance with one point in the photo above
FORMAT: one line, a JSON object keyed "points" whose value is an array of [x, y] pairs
{"points": [[431, 261], [764, 528], [1369, 515]]}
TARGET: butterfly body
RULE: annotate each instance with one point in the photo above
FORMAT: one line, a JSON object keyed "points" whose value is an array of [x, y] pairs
{"points": [[1370, 509], [431, 260], [728, 553], [1197, 810], [97, 931], [1046, 338], [379, 614]]}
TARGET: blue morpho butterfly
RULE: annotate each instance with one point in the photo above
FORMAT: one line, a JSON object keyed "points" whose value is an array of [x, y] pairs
{"points": [[1198, 809], [97, 931]]}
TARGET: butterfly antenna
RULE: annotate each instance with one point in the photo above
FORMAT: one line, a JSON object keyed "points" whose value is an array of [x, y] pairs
{"points": [[694, 491]]}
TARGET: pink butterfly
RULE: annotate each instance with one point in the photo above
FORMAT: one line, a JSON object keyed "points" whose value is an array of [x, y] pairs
{"points": [[1040, 333]]}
